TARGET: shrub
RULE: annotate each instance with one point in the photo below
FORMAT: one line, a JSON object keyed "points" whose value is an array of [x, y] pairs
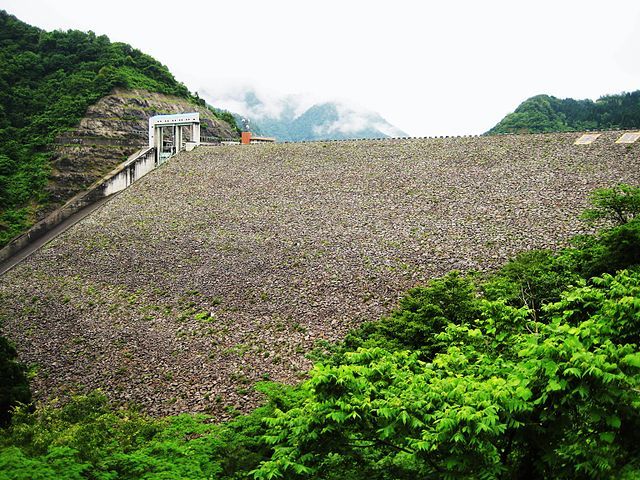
{"points": [[611, 250], [619, 204]]}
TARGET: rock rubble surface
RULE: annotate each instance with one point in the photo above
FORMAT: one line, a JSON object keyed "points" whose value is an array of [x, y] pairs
{"points": [[225, 265]]}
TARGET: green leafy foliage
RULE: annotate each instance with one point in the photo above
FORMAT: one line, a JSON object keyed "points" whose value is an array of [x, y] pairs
{"points": [[532, 279], [59, 462], [555, 399], [544, 113], [104, 443], [620, 204], [611, 250], [89, 438]]}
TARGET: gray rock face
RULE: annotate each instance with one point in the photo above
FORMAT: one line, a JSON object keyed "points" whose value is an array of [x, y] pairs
{"points": [[112, 129], [226, 264]]}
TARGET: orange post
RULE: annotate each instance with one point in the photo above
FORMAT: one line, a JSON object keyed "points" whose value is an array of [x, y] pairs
{"points": [[246, 138]]}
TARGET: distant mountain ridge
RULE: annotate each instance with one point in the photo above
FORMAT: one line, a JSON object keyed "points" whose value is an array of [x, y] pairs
{"points": [[545, 113], [293, 118]]}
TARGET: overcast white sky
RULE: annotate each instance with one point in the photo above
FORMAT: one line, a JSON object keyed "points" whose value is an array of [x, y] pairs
{"points": [[430, 68]]}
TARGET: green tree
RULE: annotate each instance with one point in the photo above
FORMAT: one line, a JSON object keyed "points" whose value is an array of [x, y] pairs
{"points": [[619, 204], [557, 400], [544, 113]]}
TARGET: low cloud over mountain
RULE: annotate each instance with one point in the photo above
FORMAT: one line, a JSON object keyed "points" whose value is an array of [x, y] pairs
{"points": [[301, 117]]}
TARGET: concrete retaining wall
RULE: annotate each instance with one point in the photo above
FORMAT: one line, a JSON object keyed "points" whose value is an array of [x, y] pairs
{"points": [[136, 166], [130, 171]]}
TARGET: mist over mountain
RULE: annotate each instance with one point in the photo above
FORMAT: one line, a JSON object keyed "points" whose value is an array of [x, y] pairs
{"points": [[300, 117]]}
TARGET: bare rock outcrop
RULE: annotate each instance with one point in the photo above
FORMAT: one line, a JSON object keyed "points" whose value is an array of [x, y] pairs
{"points": [[111, 130]]}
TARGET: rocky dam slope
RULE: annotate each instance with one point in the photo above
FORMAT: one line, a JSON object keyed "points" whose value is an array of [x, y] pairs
{"points": [[225, 265]]}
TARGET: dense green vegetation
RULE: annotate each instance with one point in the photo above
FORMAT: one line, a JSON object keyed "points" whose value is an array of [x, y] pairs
{"points": [[14, 388], [47, 81], [544, 113], [530, 372]]}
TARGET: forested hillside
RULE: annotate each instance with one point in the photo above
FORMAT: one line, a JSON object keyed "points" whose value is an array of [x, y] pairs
{"points": [[47, 82], [544, 113]]}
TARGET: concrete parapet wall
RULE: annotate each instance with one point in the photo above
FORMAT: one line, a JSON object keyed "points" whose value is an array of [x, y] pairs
{"points": [[136, 166]]}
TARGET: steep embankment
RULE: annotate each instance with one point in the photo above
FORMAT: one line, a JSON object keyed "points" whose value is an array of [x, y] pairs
{"points": [[225, 265], [111, 130]]}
